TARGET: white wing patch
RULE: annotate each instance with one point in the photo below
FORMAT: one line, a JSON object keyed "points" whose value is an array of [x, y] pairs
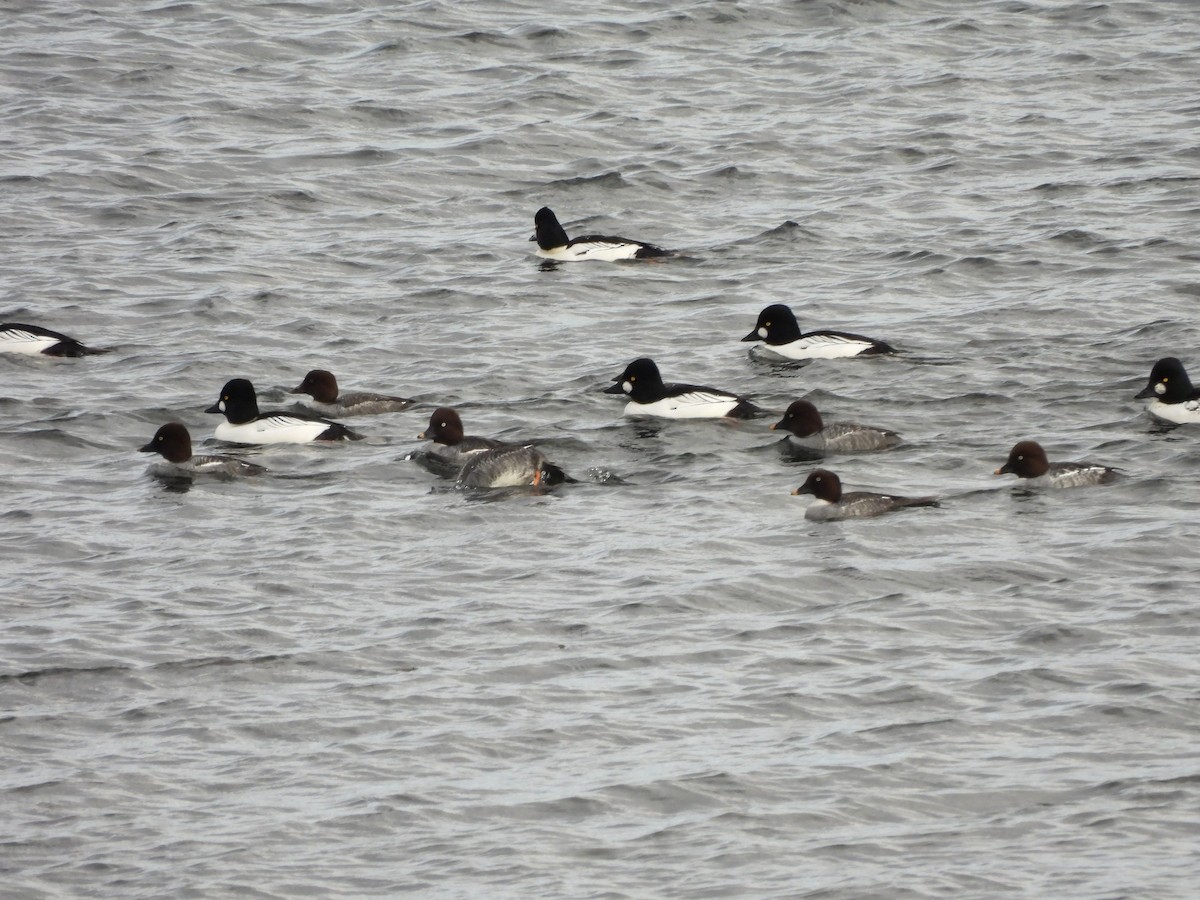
{"points": [[17, 340], [281, 429], [822, 346], [1078, 476], [1185, 413], [693, 405], [608, 251], [286, 421]]}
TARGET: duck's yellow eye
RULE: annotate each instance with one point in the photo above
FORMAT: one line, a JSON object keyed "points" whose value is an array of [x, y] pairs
{"points": [[633, 378], [766, 324]]}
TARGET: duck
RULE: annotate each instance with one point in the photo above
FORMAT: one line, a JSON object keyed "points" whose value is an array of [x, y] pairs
{"points": [[244, 424], [650, 396], [1027, 460], [321, 388], [445, 429], [483, 462], [778, 330], [32, 340], [832, 504], [511, 465], [554, 244], [173, 442], [1172, 397], [806, 429]]}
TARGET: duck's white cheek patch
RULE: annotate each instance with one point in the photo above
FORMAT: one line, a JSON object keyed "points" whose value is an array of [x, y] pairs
{"points": [[762, 333], [221, 406], [627, 387], [1160, 389]]}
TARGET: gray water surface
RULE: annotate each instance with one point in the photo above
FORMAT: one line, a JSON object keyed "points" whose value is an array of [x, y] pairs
{"points": [[345, 679]]}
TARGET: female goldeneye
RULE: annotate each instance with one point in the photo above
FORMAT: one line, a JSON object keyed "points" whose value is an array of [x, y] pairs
{"points": [[649, 396], [446, 431], [832, 504], [553, 243], [33, 339], [322, 389], [451, 447], [244, 424], [1175, 400], [1027, 460], [174, 443], [806, 429], [778, 330], [499, 464], [511, 465]]}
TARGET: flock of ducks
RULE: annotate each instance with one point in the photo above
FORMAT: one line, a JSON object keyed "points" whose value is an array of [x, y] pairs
{"points": [[479, 462]]}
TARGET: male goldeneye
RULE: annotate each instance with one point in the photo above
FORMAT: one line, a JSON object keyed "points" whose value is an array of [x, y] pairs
{"points": [[649, 396], [553, 243], [322, 389], [806, 429], [1175, 400], [778, 330], [511, 465], [1027, 460], [244, 424], [33, 339], [174, 443], [832, 504]]}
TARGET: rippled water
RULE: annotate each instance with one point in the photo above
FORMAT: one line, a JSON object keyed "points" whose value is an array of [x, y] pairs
{"points": [[343, 679]]}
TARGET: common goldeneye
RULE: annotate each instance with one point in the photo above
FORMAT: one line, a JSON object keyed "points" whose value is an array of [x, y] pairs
{"points": [[322, 389], [511, 465], [244, 424], [806, 429], [649, 396], [1027, 460], [780, 333], [174, 443], [446, 431], [553, 243], [481, 461], [832, 504], [33, 339], [1174, 398]]}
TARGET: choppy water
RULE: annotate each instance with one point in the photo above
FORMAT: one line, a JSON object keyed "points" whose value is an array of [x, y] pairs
{"points": [[343, 680]]}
